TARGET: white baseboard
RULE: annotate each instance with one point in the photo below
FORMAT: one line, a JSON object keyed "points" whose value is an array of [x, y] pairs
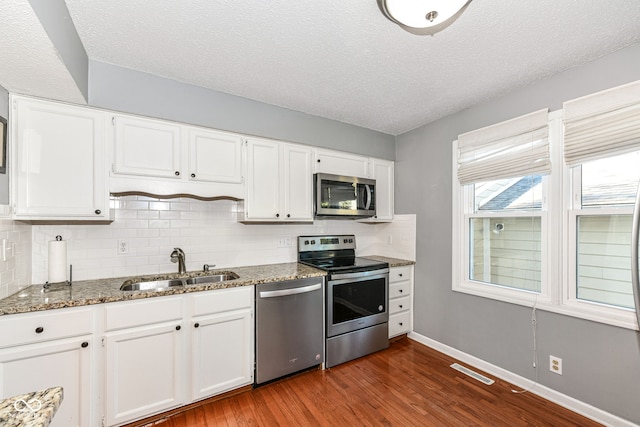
{"points": [[568, 402]]}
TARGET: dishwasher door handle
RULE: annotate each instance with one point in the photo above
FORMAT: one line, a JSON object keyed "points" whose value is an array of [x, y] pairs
{"points": [[290, 291]]}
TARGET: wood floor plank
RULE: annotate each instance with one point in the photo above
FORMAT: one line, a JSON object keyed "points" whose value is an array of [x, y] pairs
{"points": [[408, 384]]}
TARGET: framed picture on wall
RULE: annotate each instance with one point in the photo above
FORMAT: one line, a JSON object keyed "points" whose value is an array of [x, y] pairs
{"points": [[3, 141]]}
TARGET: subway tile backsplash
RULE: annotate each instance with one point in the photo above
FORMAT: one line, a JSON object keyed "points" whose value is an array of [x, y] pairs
{"points": [[206, 230]]}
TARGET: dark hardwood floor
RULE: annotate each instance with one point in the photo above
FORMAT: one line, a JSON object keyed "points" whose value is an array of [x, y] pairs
{"points": [[407, 385]]}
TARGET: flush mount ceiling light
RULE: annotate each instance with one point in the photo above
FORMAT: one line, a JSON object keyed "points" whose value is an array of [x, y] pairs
{"points": [[422, 14]]}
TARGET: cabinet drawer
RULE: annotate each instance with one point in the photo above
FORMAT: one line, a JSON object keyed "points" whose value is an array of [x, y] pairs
{"points": [[397, 305], [222, 300], [399, 323], [399, 289], [398, 274], [145, 312], [54, 324]]}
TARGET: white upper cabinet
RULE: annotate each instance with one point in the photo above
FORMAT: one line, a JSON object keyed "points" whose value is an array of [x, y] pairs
{"points": [[59, 161], [146, 147], [297, 181], [383, 174], [279, 182], [189, 159], [214, 156], [339, 163]]}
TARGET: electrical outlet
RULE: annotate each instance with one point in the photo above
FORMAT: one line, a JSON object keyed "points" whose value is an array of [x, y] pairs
{"points": [[555, 365], [123, 247], [284, 242]]}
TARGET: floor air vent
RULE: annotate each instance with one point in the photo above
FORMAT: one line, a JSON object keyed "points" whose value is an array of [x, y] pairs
{"points": [[472, 374]]}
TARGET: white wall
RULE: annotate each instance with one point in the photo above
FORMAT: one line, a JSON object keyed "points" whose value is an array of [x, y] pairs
{"points": [[206, 231]]}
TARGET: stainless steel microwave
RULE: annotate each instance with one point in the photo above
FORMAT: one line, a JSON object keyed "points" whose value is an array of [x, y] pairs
{"points": [[344, 196]]}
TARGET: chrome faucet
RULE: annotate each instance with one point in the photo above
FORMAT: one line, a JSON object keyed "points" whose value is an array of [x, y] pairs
{"points": [[178, 256]]}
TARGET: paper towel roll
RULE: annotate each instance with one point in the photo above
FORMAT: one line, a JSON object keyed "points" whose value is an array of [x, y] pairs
{"points": [[57, 261]]}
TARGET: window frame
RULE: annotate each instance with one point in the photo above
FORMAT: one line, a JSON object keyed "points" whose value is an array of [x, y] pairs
{"points": [[558, 242]]}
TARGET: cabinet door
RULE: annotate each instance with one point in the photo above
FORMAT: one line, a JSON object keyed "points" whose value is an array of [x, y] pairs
{"points": [[298, 186], [263, 180], [214, 156], [146, 147], [339, 163], [59, 161], [222, 353], [144, 371], [383, 174], [65, 363]]}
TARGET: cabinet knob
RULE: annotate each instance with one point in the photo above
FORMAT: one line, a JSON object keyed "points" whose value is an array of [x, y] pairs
{"points": [[400, 290], [193, 175], [400, 306], [196, 325], [288, 215], [177, 173], [98, 211], [277, 215], [400, 323], [400, 274], [318, 160], [84, 344], [39, 330], [178, 327]]}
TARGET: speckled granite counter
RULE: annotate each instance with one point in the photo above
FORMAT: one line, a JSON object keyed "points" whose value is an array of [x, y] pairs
{"points": [[35, 409], [393, 262], [87, 292]]}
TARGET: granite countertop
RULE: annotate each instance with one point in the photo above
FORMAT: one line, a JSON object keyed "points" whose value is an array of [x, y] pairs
{"points": [[393, 262], [87, 292], [35, 409]]}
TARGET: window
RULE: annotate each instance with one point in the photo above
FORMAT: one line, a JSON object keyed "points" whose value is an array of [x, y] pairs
{"points": [[604, 194], [556, 237]]}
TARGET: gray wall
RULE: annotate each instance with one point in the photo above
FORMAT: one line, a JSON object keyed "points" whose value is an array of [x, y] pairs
{"points": [[135, 92], [4, 178], [601, 363]]}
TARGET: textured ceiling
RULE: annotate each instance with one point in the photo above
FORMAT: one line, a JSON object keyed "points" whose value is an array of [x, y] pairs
{"points": [[344, 60], [28, 60]]}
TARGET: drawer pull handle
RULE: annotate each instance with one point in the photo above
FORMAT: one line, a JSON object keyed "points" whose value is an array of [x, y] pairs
{"points": [[39, 330], [84, 344], [400, 290], [178, 327], [196, 325], [400, 306], [400, 274]]}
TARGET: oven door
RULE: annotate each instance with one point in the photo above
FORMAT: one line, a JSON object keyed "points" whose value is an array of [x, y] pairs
{"points": [[357, 300]]}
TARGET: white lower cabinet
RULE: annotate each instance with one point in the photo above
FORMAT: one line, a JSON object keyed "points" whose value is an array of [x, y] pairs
{"points": [[221, 341], [48, 357], [400, 300], [144, 370], [157, 349]]}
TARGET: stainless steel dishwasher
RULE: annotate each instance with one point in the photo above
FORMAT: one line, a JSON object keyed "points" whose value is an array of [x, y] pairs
{"points": [[289, 327]]}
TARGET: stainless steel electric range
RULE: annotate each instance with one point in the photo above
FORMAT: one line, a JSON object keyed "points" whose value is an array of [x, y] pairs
{"points": [[356, 297]]}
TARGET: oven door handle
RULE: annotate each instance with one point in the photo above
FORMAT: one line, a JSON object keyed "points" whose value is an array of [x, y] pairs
{"points": [[360, 275], [290, 291]]}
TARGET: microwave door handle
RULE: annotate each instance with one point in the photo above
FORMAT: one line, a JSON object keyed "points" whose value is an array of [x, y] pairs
{"points": [[366, 206]]}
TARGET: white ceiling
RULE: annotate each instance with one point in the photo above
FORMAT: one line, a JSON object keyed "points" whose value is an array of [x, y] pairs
{"points": [[343, 59]]}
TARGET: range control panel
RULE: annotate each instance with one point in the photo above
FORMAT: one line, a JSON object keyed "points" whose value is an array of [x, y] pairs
{"points": [[326, 243]]}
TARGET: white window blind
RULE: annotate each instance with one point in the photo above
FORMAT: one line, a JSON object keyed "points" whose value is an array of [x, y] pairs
{"points": [[516, 147], [602, 124]]}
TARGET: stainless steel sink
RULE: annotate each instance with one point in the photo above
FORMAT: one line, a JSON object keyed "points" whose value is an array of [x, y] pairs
{"points": [[156, 285], [211, 279], [160, 285]]}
